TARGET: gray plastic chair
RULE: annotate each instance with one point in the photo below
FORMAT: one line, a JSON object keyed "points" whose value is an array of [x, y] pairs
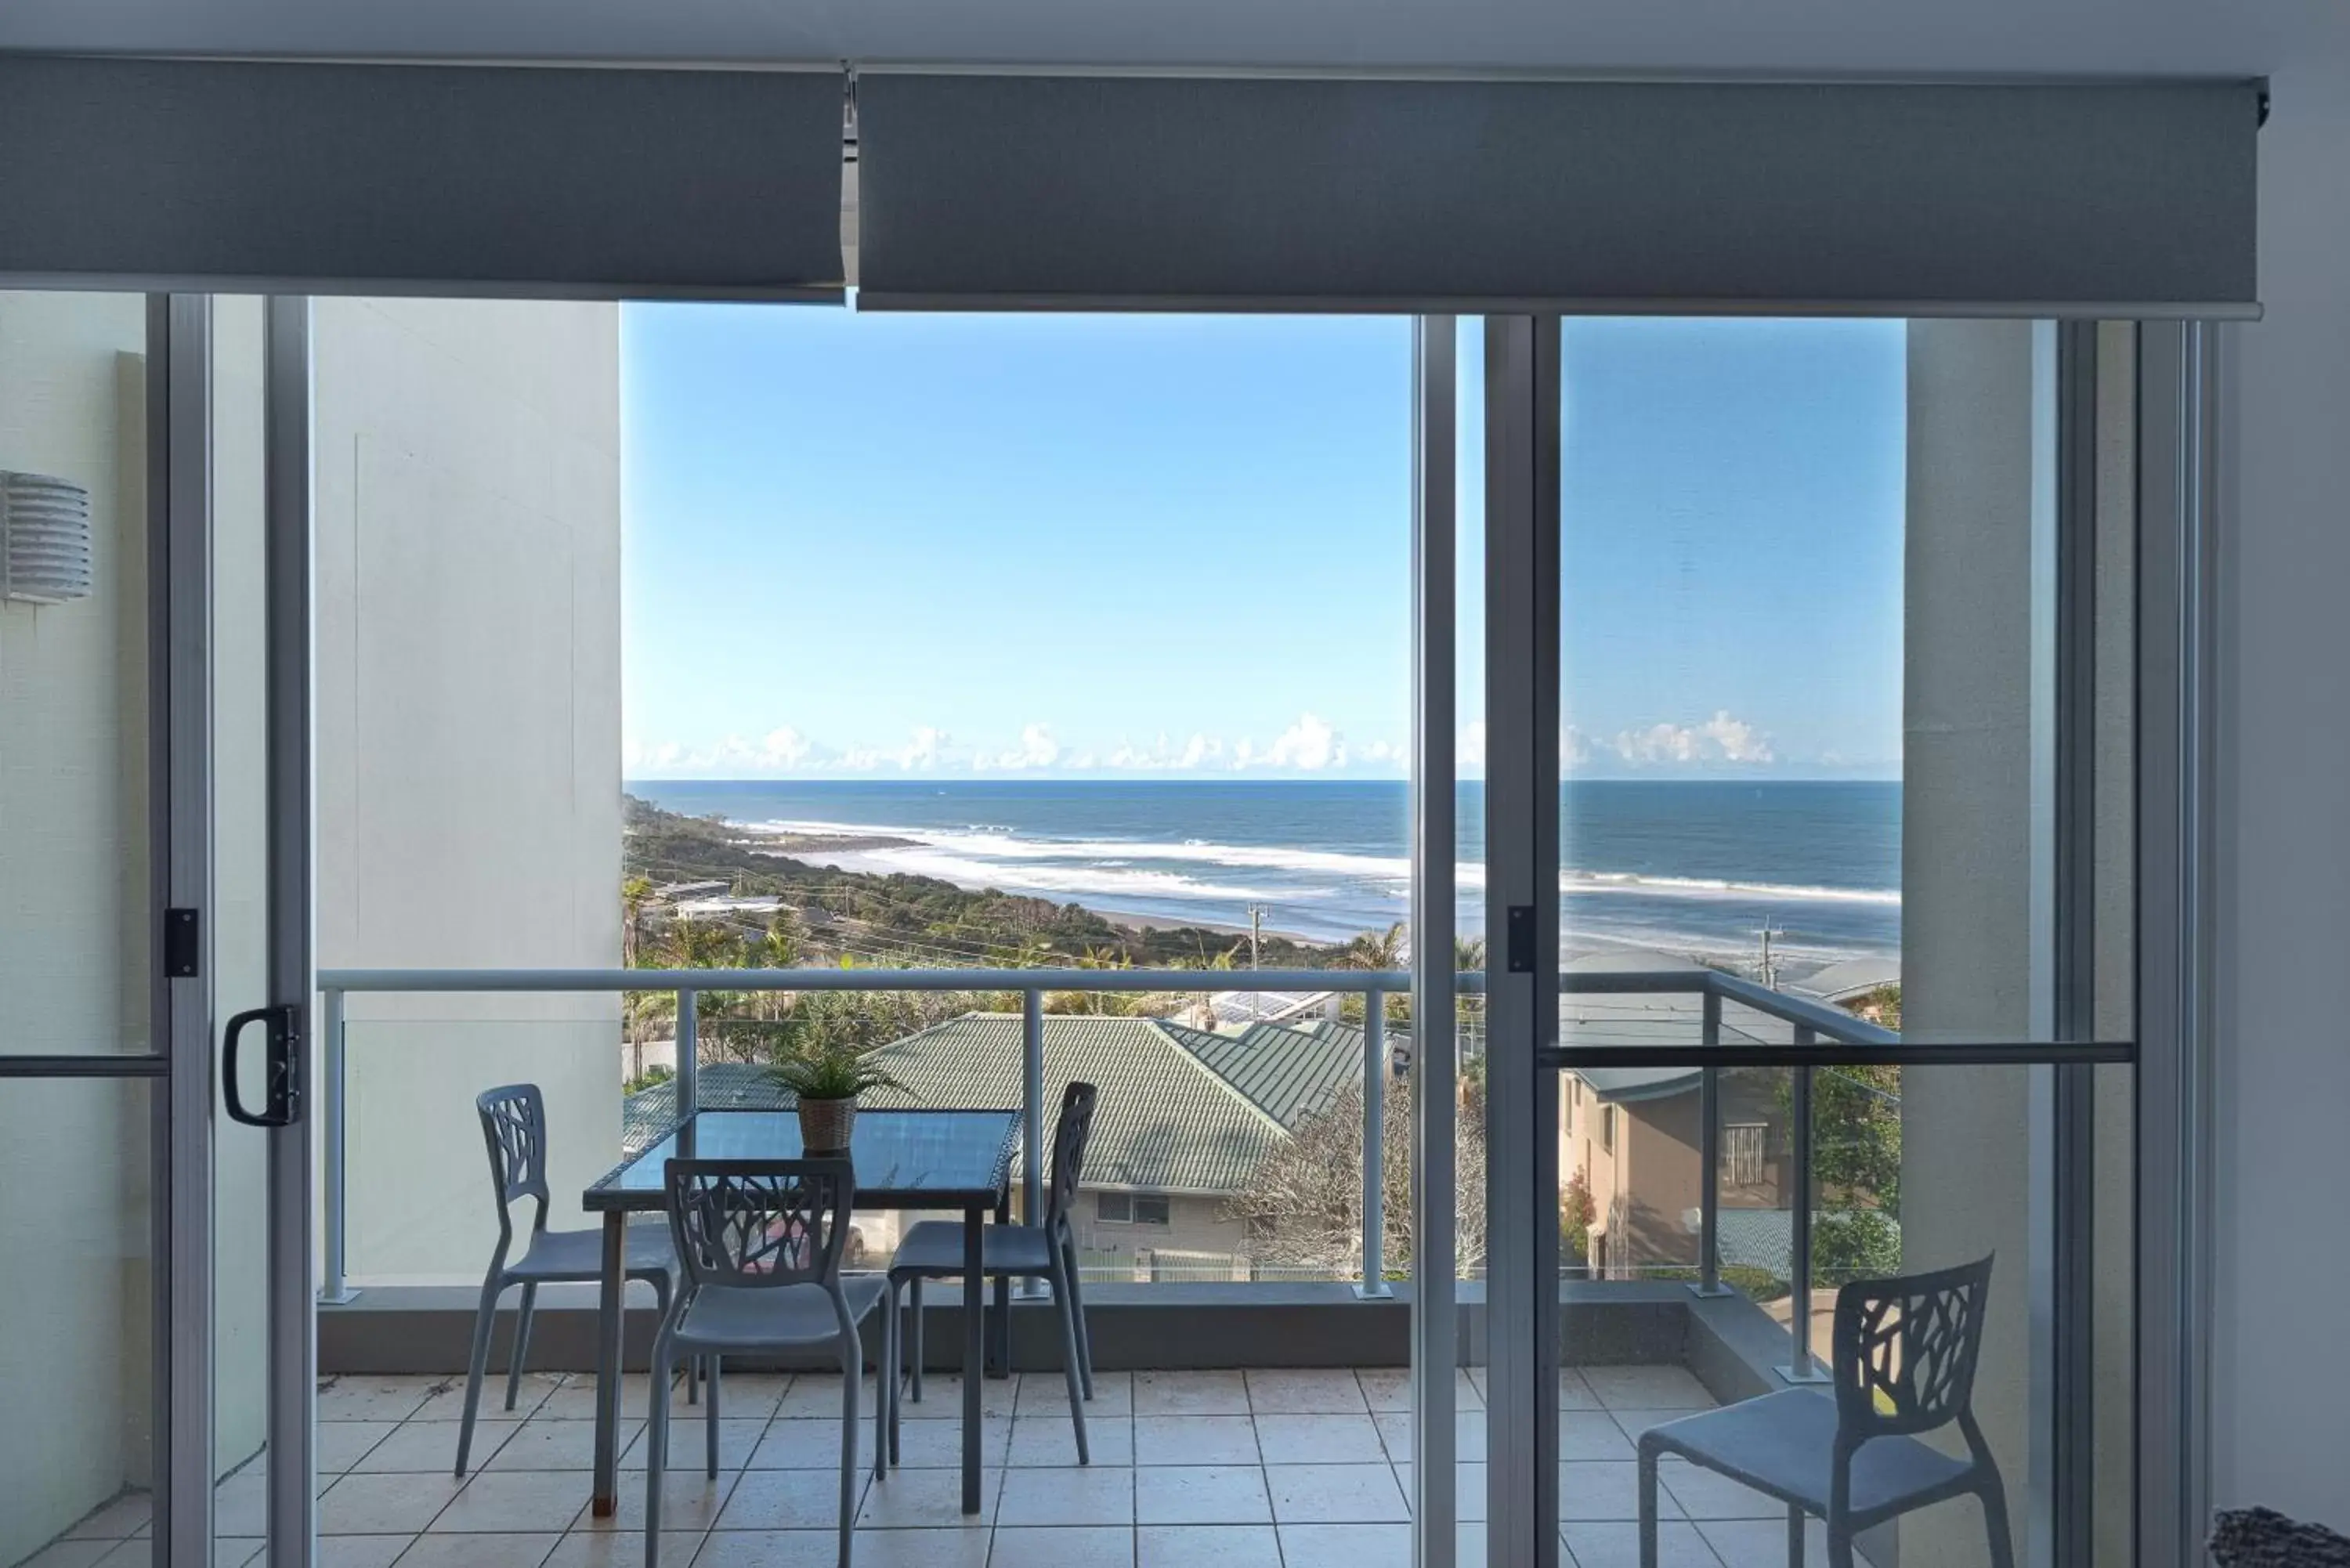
{"points": [[760, 1243], [514, 1126], [1904, 1364], [934, 1250]]}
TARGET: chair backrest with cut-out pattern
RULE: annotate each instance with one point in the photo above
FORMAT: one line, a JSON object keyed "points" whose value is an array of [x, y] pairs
{"points": [[1071, 1132], [514, 1126], [1906, 1349], [760, 1222]]}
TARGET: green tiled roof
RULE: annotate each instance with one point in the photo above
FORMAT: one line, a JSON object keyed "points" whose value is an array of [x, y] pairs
{"points": [[1286, 1073], [1182, 1109]]}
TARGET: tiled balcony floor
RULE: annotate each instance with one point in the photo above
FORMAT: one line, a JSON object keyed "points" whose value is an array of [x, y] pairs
{"points": [[1206, 1470]]}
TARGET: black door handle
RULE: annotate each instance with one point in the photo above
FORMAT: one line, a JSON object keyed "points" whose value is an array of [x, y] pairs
{"points": [[283, 1064]]}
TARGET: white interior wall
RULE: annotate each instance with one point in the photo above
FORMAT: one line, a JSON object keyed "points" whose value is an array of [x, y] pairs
{"points": [[468, 710], [74, 1154]]}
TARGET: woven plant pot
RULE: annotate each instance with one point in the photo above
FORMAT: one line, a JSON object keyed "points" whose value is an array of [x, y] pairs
{"points": [[824, 1126]]}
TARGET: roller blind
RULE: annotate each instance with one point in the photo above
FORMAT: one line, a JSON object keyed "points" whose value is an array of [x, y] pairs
{"points": [[1046, 191], [388, 177]]}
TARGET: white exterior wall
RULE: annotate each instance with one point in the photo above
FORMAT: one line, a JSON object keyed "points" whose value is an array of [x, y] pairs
{"points": [[468, 707], [73, 1172]]}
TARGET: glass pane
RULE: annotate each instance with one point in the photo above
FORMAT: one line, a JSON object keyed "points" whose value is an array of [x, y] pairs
{"points": [[74, 829], [76, 1363]]}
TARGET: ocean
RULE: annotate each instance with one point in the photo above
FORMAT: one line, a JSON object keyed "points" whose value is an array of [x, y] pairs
{"points": [[1694, 867]]}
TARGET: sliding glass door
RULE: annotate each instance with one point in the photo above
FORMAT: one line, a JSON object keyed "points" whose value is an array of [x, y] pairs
{"points": [[1813, 858]]}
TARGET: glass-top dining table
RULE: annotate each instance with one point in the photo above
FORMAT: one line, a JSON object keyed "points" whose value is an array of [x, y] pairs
{"points": [[917, 1159]]}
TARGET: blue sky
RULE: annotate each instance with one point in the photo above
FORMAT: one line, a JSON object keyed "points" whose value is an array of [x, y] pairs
{"points": [[891, 545]]}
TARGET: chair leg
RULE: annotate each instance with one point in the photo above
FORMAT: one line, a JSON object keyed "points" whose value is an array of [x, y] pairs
{"points": [[709, 1414], [664, 1360], [1647, 1507], [1068, 1250], [914, 1373], [1839, 1544], [521, 1343], [1795, 1537], [1071, 1371], [852, 1368], [885, 1382], [484, 1316], [1994, 1506]]}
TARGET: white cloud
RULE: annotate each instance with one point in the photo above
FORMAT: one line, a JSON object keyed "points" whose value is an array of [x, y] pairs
{"points": [[923, 751], [1037, 749], [1469, 751], [1721, 739], [1309, 745]]}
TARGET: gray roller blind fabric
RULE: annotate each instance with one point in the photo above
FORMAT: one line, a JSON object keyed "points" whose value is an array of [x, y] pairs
{"points": [[391, 178], [1047, 191]]}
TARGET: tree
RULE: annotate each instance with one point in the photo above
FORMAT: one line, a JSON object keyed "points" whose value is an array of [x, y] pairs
{"points": [[1577, 1210], [1304, 1203], [1855, 1171], [636, 895]]}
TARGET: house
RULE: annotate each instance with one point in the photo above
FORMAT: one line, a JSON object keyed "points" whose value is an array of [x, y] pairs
{"points": [[1184, 1118]]}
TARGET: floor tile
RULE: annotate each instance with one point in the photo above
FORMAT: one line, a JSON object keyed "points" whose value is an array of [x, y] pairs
{"points": [[1634, 1422], [139, 1552], [1346, 1545], [1468, 1394], [937, 1444], [342, 1444], [1592, 1434], [71, 1554], [815, 1397], [742, 1395], [1467, 1435], [1648, 1388], [232, 1551], [941, 1399], [791, 1445], [688, 1443], [1044, 1391], [1050, 1440], [1319, 1440], [478, 1550], [1467, 1489], [1063, 1546], [427, 1446], [691, 1500], [447, 1400], [385, 1504], [776, 1549], [1207, 1546], [1707, 1494], [1201, 1494], [1385, 1387], [1762, 1543], [546, 1443], [1574, 1393], [575, 1399], [1195, 1440], [786, 1500], [623, 1549], [361, 1551], [1618, 1545], [240, 1503], [116, 1520], [499, 1500], [1190, 1394], [1308, 1392], [1096, 1495], [1333, 1494], [1605, 1489], [354, 1397], [914, 1498]]}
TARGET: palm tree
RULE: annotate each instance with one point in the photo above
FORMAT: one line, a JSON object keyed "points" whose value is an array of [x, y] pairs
{"points": [[1468, 954], [636, 893], [1390, 949]]}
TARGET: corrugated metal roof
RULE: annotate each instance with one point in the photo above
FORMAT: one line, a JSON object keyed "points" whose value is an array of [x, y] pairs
{"points": [[1285, 1073]]}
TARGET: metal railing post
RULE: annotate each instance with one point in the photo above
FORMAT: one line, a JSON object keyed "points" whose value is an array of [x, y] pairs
{"points": [[332, 1291], [689, 1052], [1803, 1367], [1032, 1105], [1709, 1154], [1374, 1286]]}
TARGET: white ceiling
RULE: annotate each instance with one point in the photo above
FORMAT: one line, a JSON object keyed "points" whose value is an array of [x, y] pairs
{"points": [[1767, 35]]}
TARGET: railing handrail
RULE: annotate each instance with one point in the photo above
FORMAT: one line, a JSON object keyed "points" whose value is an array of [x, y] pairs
{"points": [[831, 979]]}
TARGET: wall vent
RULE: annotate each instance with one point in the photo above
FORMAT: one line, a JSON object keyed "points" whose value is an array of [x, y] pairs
{"points": [[45, 545]]}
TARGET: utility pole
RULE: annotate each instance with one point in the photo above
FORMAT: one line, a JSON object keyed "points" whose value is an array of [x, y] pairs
{"points": [[1770, 961], [1256, 934]]}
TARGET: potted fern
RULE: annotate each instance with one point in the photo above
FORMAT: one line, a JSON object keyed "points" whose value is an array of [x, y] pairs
{"points": [[827, 1074]]}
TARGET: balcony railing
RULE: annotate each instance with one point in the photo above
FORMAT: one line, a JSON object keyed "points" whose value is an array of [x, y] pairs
{"points": [[1811, 1024]]}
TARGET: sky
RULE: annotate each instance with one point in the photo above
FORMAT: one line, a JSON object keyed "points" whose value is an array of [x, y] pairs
{"points": [[884, 545]]}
